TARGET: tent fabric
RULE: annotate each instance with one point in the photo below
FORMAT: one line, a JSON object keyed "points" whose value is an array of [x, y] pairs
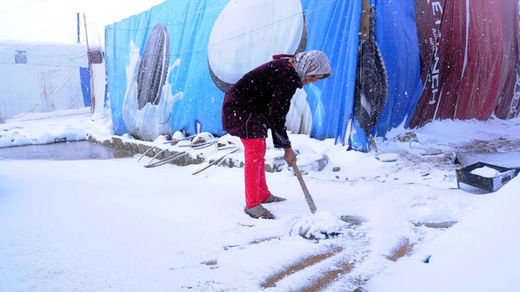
{"points": [[468, 59], [41, 77], [396, 37], [396, 34], [335, 31], [444, 59], [508, 104], [85, 85], [213, 43]]}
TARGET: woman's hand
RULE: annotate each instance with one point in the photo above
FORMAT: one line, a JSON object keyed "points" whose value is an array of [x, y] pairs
{"points": [[289, 156]]}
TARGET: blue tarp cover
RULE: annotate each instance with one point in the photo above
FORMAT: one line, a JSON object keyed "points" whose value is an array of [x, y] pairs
{"points": [[201, 47]]}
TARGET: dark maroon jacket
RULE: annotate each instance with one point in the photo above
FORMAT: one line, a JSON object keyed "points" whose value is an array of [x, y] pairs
{"points": [[261, 100]]}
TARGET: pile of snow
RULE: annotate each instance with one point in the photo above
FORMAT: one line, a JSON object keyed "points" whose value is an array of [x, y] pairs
{"points": [[56, 126], [320, 225], [486, 171]]}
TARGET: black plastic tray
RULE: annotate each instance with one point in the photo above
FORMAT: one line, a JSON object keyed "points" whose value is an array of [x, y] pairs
{"points": [[490, 184]]}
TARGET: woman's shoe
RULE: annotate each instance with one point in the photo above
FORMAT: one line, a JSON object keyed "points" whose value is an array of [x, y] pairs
{"points": [[259, 212], [273, 199]]}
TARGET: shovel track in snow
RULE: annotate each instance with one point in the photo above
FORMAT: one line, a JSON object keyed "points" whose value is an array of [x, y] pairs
{"points": [[320, 270], [301, 264], [334, 264], [324, 280], [403, 248]]}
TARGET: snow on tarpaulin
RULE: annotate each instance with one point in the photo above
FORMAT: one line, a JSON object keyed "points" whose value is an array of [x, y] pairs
{"points": [[42, 77]]}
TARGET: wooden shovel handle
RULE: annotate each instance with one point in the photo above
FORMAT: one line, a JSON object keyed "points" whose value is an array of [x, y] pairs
{"points": [[365, 21], [308, 197]]}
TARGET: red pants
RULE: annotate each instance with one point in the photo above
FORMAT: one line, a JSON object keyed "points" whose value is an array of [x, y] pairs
{"points": [[256, 187]]}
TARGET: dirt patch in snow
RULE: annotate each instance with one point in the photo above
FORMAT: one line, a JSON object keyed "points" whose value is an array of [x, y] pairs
{"points": [[403, 248], [300, 265], [323, 281], [498, 145], [445, 159]]}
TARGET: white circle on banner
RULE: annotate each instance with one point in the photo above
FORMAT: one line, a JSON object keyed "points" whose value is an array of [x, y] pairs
{"points": [[248, 33]]}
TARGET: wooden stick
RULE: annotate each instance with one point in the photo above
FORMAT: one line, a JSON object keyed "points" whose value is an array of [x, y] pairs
{"points": [[308, 197], [365, 23]]}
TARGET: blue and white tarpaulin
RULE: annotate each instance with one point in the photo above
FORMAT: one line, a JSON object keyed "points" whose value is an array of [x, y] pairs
{"points": [[168, 67], [396, 37]]}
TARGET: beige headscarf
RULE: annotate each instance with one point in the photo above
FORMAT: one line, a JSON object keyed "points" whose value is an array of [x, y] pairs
{"points": [[311, 63]]}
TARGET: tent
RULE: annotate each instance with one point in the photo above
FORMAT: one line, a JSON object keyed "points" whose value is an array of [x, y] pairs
{"points": [[169, 67], [470, 65], [42, 77]]}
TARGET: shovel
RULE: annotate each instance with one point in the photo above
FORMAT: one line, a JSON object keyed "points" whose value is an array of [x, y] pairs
{"points": [[308, 197], [322, 225]]}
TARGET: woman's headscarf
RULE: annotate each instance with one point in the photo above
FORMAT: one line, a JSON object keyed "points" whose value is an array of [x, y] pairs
{"points": [[311, 63]]}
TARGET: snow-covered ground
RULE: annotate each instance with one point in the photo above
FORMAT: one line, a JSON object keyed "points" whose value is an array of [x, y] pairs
{"points": [[113, 225]]}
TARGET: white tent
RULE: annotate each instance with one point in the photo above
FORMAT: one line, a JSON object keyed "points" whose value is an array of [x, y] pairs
{"points": [[42, 77]]}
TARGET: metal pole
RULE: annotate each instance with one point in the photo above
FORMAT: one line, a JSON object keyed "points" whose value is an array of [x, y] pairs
{"points": [[77, 20], [92, 98]]}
